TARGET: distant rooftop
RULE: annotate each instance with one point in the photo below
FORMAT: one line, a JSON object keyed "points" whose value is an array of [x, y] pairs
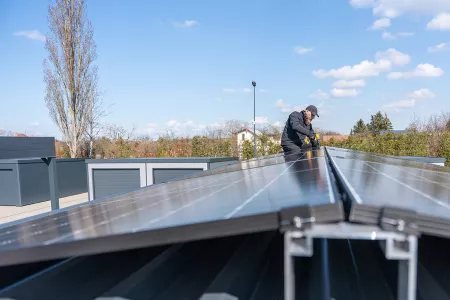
{"points": [[396, 131]]}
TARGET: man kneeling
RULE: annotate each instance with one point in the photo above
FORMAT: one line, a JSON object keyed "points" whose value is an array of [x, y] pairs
{"points": [[298, 134]]}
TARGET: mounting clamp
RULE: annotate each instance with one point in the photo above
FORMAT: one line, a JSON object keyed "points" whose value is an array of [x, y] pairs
{"points": [[396, 246]]}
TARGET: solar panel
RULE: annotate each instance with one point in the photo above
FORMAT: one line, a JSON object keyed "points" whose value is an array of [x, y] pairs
{"points": [[242, 200], [257, 162], [401, 189]]}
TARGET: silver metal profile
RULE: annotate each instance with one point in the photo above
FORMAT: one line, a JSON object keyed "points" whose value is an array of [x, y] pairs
{"points": [[396, 246]]}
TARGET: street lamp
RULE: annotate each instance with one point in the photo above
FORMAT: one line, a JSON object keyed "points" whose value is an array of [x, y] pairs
{"points": [[254, 119]]}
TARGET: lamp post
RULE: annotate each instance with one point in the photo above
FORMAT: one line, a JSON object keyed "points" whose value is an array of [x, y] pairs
{"points": [[254, 119]]}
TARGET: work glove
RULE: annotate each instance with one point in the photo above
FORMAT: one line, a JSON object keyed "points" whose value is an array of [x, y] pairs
{"points": [[312, 135]]}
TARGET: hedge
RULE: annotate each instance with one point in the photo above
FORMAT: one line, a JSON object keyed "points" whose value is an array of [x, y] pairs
{"points": [[408, 144]]}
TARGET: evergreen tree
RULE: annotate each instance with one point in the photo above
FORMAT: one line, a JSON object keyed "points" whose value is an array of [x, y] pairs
{"points": [[388, 123], [379, 123], [360, 127]]}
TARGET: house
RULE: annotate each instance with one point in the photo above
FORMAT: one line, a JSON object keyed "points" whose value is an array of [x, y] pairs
{"points": [[248, 135]]}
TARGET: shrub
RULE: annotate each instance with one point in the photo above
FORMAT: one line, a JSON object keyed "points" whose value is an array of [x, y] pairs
{"points": [[444, 149], [247, 150]]}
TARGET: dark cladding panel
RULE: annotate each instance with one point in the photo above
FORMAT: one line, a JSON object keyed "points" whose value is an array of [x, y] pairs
{"points": [[22, 147]]}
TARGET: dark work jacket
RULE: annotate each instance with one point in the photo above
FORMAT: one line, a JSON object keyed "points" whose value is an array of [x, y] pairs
{"points": [[295, 129]]}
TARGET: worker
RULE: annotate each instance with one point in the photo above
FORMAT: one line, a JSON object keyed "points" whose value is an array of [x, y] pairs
{"points": [[298, 134]]}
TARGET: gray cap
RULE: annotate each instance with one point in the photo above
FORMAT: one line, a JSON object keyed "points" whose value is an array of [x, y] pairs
{"points": [[313, 110]]}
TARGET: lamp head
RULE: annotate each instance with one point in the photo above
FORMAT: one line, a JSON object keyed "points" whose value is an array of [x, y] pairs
{"points": [[253, 83]]}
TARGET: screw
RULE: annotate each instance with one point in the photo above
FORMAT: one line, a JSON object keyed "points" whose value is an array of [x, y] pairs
{"points": [[401, 225], [297, 222]]}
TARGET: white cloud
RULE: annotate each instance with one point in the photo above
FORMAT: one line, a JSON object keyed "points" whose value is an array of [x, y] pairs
{"points": [[422, 94], [319, 94], [391, 36], [218, 99], [186, 128], [405, 34], [345, 84], [229, 90], [413, 98], [172, 123], [384, 62], [263, 91], [35, 124], [287, 108], [152, 128], [398, 105], [215, 125], [388, 36], [381, 23], [278, 124], [302, 50], [186, 23], [396, 8], [183, 128], [422, 70], [233, 90], [439, 48], [341, 93], [362, 3], [394, 56], [261, 120], [31, 34], [365, 68], [440, 22]]}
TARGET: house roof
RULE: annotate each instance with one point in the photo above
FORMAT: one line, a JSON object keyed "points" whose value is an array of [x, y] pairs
{"points": [[396, 131], [248, 130]]}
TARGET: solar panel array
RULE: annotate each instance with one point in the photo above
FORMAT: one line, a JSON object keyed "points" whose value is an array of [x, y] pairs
{"points": [[379, 186], [252, 196], [235, 199]]}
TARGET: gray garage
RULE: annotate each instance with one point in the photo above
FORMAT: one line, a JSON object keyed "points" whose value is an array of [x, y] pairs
{"points": [[25, 181], [107, 177], [29, 170]]}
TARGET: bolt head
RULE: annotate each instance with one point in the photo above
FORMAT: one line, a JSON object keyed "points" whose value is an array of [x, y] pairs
{"points": [[297, 222], [401, 225]]}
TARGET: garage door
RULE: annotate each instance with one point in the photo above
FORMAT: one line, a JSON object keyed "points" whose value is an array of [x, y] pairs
{"points": [[9, 187], [165, 175], [109, 182]]}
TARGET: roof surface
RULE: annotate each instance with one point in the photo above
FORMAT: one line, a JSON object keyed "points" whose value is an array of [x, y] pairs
{"points": [[162, 160]]}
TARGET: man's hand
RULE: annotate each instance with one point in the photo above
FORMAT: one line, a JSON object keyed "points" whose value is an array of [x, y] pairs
{"points": [[312, 135]]}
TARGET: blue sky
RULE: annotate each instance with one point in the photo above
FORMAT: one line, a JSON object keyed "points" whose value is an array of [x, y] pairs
{"points": [[183, 65]]}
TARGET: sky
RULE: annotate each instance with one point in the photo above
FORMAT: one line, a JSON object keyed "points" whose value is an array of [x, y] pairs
{"points": [[184, 65]]}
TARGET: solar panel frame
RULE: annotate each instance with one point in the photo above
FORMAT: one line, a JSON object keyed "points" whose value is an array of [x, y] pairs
{"points": [[308, 194], [419, 216]]}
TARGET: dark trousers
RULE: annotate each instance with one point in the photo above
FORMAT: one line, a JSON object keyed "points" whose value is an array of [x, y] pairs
{"points": [[291, 148]]}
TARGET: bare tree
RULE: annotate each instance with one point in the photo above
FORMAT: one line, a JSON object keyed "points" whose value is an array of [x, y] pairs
{"points": [[70, 76], [415, 124], [115, 132], [96, 112], [233, 126], [4, 132]]}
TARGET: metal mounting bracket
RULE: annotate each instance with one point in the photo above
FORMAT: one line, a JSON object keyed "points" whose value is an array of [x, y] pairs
{"points": [[396, 246]]}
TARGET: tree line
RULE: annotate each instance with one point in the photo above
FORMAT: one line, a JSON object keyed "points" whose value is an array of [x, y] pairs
{"points": [[378, 123], [116, 142], [421, 137]]}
